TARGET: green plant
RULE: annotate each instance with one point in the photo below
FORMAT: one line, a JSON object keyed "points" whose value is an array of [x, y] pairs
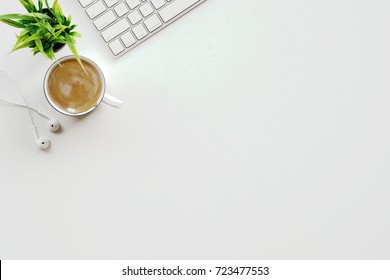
{"points": [[44, 29]]}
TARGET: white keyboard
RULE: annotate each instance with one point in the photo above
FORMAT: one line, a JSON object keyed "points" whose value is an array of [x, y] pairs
{"points": [[124, 24]]}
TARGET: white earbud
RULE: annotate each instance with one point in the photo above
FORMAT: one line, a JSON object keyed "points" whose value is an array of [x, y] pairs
{"points": [[53, 124], [42, 142]]}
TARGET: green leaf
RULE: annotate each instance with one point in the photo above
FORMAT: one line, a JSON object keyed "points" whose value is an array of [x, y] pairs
{"points": [[39, 16], [23, 36], [22, 46], [57, 11], [70, 43], [35, 50], [57, 8], [34, 37], [75, 34], [40, 6], [39, 45], [50, 53], [28, 5], [10, 16], [12, 23], [29, 17]]}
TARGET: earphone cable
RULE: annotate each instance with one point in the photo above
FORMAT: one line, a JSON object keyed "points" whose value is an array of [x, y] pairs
{"points": [[24, 99], [18, 105]]}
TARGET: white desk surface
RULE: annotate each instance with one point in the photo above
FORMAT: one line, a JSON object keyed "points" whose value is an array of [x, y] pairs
{"points": [[251, 131]]}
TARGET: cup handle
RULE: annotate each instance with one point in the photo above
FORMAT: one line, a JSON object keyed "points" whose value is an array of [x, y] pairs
{"points": [[112, 101]]}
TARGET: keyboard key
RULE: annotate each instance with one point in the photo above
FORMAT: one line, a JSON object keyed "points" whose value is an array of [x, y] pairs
{"points": [[133, 3], [116, 47], [175, 8], [134, 17], [110, 3], [158, 3], [115, 29], [146, 9], [128, 39], [121, 9], [105, 20], [140, 31], [85, 3], [96, 9], [152, 23]]}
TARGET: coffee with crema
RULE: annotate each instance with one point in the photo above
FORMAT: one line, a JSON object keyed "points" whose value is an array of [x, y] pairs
{"points": [[72, 89]]}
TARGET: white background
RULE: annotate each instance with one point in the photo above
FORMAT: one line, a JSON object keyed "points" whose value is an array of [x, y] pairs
{"points": [[251, 129]]}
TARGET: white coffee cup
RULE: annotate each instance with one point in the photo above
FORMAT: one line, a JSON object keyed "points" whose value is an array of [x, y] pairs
{"points": [[73, 92]]}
